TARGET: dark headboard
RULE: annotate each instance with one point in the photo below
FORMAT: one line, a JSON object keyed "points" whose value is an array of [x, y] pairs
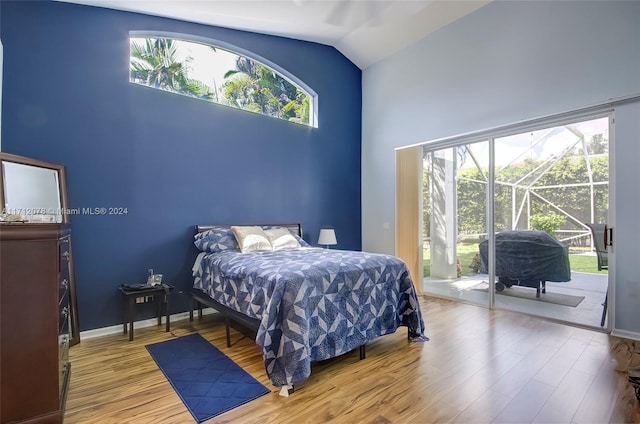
{"points": [[295, 228]]}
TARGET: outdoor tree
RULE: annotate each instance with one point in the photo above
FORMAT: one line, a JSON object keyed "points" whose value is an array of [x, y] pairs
{"points": [[171, 64], [548, 223], [598, 145], [561, 191], [154, 62], [255, 87]]}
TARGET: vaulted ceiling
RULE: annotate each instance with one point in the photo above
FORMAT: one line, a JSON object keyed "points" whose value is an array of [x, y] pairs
{"points": [[365, 31]]}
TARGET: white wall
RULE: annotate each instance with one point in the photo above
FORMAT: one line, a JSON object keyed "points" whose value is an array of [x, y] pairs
{"points": [[626, 240], [506, 62]]}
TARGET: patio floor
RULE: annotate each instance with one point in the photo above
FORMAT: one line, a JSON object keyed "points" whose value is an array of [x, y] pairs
{"points": [[588, 313]]}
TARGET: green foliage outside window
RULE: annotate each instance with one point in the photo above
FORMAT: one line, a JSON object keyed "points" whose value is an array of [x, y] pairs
{"points": [[162, 63], [252, 86], [576, 201], [547, 222], [154, 62]]}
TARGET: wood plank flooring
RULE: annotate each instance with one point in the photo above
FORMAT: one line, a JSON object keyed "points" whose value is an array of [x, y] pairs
{"points": [[480, 366]]}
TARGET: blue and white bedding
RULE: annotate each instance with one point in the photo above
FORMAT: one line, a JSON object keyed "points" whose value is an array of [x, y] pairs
{"points": [[312, 303]]}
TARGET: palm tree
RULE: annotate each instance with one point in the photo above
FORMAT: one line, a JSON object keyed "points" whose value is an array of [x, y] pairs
{"points": [[155, 63], [255, 87]]}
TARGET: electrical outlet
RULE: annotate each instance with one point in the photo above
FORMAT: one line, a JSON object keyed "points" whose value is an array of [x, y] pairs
{"points": [[139, 299], [148, 299]]}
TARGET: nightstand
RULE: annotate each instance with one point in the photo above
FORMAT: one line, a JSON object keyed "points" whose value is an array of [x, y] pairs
{"points": [[130, 295]]}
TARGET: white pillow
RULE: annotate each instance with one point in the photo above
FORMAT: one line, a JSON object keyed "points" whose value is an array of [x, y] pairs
{"points": [[251, 239], [281, 238]]}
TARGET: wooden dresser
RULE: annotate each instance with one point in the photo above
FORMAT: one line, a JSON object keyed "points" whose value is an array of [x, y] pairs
{"points": [[35, 270]]}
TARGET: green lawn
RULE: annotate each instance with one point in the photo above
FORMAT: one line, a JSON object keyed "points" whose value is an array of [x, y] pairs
{"points": [[579, 263], [584, 263]]}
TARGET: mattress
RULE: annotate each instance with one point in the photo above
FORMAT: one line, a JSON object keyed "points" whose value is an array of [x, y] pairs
{"points": [[311, 303]]}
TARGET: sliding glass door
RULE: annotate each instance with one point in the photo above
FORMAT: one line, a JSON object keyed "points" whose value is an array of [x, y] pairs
{"points": [[550, 185], [455, 187], [544, 195]]}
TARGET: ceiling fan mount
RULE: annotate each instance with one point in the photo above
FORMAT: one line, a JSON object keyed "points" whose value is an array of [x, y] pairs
{"points": [[353, 13]]}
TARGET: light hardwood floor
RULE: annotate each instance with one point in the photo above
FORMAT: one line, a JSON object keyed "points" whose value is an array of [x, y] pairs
{"points": [[480, 366]]}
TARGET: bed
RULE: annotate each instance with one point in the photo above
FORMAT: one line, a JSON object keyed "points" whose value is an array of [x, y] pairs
{"points": [[306, 303]]}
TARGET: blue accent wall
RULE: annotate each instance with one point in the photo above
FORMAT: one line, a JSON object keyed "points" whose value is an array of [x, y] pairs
{"points": [[172, 161]]}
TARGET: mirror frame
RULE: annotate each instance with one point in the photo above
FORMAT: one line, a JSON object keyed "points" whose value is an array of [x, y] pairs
{"points": [[62, 189], [62, 184]]}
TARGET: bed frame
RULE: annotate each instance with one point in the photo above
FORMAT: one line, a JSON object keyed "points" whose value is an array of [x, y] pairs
{"points": [[199, 298]]}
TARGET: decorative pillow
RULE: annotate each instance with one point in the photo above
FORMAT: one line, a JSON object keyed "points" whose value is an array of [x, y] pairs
{"points": [[251, 239], [217, 239], [281, 238], [296, 236]]}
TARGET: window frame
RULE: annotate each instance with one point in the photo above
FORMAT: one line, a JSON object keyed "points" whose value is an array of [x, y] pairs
{"points": [[223, 45]]}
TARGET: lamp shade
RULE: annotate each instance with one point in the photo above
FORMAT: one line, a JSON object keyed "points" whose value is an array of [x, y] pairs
{"points": [[327, 237]]}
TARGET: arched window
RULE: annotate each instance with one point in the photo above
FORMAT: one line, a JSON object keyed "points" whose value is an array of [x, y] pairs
{"points": [[219, 73]]}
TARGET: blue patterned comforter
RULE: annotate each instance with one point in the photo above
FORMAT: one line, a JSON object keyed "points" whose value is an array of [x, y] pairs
{"points": [[312, 303]]}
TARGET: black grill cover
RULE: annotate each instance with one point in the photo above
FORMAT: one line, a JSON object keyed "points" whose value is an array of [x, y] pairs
{"points": [[528, 255]]}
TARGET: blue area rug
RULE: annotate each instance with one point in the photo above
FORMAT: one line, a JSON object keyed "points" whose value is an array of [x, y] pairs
{"points": [[207, 381]]}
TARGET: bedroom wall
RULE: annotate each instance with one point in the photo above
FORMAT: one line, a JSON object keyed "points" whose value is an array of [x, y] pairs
{"points": [[1, 83], [172, 161], [505, 63]]}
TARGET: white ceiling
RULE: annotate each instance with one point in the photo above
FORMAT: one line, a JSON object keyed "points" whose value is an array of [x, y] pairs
{"points": [[365, 31]]}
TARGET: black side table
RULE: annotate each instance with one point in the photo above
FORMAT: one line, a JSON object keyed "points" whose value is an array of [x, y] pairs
{"points": [[129, 296]]}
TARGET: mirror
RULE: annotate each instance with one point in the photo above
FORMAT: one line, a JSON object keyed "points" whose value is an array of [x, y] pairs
{"points": [[34, 191], [31, 190]]}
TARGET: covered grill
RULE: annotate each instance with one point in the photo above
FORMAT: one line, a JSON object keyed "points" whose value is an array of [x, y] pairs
{"points": [[527, 258]]}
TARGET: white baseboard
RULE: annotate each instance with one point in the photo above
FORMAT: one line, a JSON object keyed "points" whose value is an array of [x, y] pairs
{"points": [[626, 334], [117, 329]]}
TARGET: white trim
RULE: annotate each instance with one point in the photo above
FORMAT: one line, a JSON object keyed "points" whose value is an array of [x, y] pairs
{"points": [[611, 222], [626, 334], [151, 322], [223, 45], [605, 110], [490, 220]]}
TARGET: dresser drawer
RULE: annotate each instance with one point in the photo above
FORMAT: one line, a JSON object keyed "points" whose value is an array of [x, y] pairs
{"points": [[64, 311], [65, 258], [63, 291], [64, 315], [64, 321], [63, 359], [63, 348]]}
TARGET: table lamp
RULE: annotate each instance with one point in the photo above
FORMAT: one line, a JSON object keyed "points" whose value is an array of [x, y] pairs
{"points": [[327, 237]]}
